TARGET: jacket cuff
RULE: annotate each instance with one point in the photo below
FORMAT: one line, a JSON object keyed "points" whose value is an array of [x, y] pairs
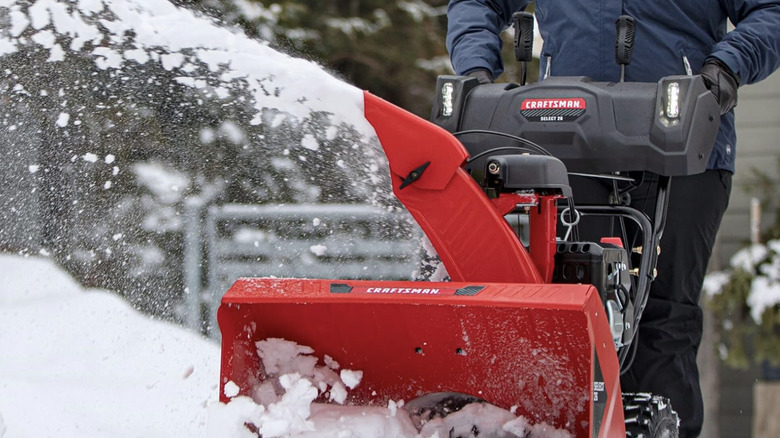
{"points": [[728, 60], [724, 66]]}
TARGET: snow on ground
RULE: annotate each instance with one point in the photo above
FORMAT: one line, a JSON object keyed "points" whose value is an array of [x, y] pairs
{"points": [[80, 363], [83, 363]]}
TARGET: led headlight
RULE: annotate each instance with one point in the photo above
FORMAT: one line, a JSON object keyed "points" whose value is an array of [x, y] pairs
{"points": [[447, 96], [672, 109]]}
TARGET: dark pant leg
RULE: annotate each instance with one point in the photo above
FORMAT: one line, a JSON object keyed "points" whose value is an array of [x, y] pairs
{"points": [[671, 326]]}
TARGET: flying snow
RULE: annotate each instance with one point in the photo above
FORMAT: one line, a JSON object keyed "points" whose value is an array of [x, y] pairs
{"points": [[156, 30], [63, 119]]}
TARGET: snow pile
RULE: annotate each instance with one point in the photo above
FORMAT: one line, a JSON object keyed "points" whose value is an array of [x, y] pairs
{"points": [[282, 404], [125, 34], [81, 363], [287, 403]]}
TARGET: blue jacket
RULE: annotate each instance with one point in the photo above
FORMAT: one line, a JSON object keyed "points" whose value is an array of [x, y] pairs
{"points": [[672, 38]]}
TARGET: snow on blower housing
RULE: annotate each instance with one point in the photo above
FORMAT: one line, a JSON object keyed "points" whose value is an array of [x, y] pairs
{"points": [[541, 328]]}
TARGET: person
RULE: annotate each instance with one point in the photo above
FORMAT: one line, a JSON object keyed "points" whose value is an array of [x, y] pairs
{"points": [[672, 38]]}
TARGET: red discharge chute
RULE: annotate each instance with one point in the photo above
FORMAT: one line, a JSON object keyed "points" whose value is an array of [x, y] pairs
{"points": [[470, 235]]}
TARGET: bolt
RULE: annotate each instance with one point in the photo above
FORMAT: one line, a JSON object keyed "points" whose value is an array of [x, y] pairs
{"points": [[494, 168]]}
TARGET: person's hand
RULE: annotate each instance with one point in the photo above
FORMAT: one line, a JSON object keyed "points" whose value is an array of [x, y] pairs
{"points": [[482, 75], [722, 82]]}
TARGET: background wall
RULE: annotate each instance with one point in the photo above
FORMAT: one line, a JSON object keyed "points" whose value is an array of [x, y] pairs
{"points": [[731, 398], [758, 150]]}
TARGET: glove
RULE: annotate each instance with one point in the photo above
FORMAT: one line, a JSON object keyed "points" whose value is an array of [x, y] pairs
{"points": [[482, 75], [723, 83]]}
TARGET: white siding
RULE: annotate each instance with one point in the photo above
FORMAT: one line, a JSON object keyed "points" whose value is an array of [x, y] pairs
{"points": [[758, 148]]}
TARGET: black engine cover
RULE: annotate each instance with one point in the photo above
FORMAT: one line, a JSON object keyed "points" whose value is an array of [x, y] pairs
{"points": [[593, 127]]}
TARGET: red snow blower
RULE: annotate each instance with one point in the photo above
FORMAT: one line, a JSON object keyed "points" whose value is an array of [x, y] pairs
{"points": [[541, 325]]}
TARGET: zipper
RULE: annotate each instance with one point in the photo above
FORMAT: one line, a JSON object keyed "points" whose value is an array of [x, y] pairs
{"points": [[687, 66], [547, 67]]}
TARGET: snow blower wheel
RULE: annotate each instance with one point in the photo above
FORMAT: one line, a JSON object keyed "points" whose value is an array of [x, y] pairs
{"points": [[649, 416]]}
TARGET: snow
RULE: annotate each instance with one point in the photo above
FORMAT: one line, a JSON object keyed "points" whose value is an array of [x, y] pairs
{"points": [[90, 157], [764, 293], [310, 142], [167, 184], [81, 363], [765, 289], [63, 119], [179, 38], [319, 250], [282, 405], [747, 258], [351, 378]]}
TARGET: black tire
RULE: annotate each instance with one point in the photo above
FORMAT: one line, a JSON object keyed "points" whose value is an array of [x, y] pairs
{"points": [[650, 416]]}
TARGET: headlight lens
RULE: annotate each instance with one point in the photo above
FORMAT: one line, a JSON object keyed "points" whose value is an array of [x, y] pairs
{"points": [[447, 98], [672, 100]]}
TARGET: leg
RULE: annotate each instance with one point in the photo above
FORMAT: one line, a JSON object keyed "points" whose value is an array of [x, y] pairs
{"points": [[671, 326]]}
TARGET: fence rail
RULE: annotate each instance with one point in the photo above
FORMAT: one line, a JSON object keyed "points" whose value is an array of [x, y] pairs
{"points": [[345, 241]]}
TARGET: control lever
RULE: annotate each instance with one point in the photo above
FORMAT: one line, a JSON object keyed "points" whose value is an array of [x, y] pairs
{"points": [[524, 41], [625, 28]]}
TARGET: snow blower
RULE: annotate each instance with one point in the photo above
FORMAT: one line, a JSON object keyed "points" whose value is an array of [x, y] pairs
{"points": [[543, 325]]}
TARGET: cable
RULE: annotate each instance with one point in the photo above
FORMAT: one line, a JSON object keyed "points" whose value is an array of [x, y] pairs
{"points": [[531, 146], [490, 151], [572, 209]]}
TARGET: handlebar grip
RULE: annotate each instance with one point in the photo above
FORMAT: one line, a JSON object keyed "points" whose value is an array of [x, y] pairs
{"points": [[625, 29], [524, 35]]}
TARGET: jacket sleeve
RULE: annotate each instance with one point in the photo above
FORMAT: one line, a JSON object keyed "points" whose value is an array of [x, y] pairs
{"points": [[473, 29], [752, 49]]}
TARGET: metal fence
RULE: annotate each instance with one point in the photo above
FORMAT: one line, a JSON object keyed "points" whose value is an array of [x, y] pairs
{"points": [[340, 241]]}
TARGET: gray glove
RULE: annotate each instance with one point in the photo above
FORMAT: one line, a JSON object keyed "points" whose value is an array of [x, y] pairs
{"points": [[482, 75], [723, 83]]}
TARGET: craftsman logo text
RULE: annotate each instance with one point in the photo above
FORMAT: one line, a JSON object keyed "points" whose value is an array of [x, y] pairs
{"points": [[561, 109], [540, 104]]}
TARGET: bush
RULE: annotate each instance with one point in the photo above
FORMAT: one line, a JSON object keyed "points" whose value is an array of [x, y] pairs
{"points": [[745, 301]]}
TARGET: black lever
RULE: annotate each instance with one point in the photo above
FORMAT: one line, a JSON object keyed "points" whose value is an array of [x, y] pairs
{"points": [[414, 175], [624, 42], [524, 40]]}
